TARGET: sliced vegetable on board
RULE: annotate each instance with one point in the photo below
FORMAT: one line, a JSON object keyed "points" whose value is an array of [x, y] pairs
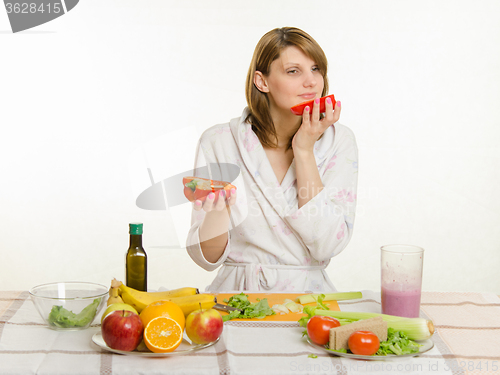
{"points": [[288, 306]]}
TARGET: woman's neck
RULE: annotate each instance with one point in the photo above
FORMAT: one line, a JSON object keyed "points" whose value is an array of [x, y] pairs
{"points": [[286, 126]]}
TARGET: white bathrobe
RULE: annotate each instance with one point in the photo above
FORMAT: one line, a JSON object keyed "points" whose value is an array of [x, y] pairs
{"points": [[273, 245]]}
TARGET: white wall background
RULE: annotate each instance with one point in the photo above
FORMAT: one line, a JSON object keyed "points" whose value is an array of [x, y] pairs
{"points": [[82, 95]]}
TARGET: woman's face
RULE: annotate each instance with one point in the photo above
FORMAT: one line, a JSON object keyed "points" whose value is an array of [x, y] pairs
{"points": [[292, 79]]}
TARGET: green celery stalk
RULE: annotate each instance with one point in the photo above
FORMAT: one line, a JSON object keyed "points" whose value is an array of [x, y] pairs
{"points": [[414, 328], [357, 315], [341, 296]]}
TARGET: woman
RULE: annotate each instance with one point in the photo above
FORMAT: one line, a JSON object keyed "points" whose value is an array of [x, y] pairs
{"points": [[293, 209]]}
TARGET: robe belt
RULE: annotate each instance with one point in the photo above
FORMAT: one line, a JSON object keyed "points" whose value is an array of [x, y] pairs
{"points": [[257, 278]]}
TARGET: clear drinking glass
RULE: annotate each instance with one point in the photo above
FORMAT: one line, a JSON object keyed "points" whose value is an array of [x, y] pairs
{"points": [[401, 279]]}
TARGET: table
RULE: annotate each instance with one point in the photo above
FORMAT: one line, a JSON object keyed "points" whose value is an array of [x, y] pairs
{"points": [[467, 341]]}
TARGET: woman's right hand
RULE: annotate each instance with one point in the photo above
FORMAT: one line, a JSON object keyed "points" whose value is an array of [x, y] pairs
{"points": [[212, 204]]}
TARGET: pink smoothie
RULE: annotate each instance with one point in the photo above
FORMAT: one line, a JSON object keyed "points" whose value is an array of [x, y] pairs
{"points": [[401, 303]]}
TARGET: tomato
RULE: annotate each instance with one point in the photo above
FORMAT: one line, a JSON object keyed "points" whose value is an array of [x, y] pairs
{"points": [[363, 343], [318, 328], [299, 108], [197, 188]]}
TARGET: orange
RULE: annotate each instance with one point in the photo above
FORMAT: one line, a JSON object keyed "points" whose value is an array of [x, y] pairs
{"points": [[163, 335], [163, 308]]}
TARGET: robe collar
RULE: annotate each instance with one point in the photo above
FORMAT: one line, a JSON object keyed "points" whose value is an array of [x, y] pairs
{"points": [[259, 168]]}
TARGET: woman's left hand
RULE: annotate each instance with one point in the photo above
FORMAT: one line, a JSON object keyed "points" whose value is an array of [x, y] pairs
{"points": [[312, 126]]}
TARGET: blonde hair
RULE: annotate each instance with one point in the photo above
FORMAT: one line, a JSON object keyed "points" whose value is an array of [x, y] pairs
{"points": [[267, 50]]}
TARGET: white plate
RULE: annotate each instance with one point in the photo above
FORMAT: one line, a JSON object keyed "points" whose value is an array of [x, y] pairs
{"points": [[426, 346], [184, 348]]}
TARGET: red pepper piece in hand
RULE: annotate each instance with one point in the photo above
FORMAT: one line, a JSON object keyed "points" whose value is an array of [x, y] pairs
{"points": [[299, 108], [197, 188]]}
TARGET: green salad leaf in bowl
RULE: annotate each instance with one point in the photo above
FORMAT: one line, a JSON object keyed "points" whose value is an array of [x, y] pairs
{"points": [[62, 318], [69, 305]]}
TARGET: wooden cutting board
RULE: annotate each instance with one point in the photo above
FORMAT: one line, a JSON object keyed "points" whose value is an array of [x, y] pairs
{"points": [[273, 299]]}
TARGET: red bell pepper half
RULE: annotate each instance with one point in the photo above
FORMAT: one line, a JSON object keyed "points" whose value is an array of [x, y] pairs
{"points": [[299, 108], [197, 188]]}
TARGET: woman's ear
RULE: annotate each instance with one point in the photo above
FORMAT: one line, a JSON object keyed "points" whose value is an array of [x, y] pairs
{"points": [[260, 82]]}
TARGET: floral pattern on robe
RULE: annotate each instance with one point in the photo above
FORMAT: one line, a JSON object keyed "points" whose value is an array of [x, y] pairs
{"points": [[273, 245]]}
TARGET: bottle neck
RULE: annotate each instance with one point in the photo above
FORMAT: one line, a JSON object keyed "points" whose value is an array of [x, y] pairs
{"points": [[136, 240]]}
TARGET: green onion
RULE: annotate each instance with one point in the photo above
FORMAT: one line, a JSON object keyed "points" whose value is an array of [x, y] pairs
{"points": [[414, 328], [308, 298]]}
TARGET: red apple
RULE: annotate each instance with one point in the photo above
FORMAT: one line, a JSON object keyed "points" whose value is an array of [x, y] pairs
{"points": [[204, 326], [122, 330], [117, 306]]}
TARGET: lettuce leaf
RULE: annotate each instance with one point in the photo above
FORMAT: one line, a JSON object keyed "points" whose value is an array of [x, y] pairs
{"points": [[257, 310], [397, 343], [62, 318]]}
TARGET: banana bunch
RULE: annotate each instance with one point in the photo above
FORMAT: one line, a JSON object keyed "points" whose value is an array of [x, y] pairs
{"points": [[187, 298]]}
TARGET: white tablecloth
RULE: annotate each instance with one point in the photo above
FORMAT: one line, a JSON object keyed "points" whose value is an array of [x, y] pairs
{"points": [[467, 341]]}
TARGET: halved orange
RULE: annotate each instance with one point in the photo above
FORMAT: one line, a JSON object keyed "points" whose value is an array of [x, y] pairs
{"points": [[163, 308], [163, 335]]}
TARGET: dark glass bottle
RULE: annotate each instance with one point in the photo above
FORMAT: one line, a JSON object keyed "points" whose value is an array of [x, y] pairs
{"points": [[136, 265]]}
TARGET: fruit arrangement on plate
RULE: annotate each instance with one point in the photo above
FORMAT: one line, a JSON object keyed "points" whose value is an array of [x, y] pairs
{"points": [[156, 321]]}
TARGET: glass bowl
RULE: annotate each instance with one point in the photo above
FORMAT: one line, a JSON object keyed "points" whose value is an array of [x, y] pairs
{"points": [[69, 305]]}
